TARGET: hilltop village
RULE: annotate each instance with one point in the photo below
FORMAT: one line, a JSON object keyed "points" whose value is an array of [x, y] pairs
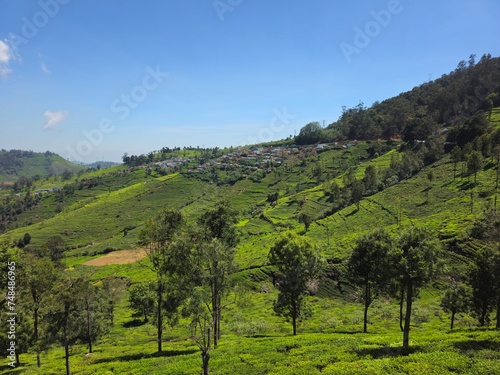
{"points": [[253, 158]]}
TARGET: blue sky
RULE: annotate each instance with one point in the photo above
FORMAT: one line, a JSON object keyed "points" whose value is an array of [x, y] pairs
{"points": [[93, 79]]}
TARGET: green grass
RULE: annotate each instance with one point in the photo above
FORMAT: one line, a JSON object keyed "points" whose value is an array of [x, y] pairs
{"points": [[255, 341]]}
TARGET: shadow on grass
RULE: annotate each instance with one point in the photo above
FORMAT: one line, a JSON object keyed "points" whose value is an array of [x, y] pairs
{"points": [[466, 185], [13, 371], [469, 345], [387, 351], [138, 356], [134, 323], [355, 211], [260, 336]]}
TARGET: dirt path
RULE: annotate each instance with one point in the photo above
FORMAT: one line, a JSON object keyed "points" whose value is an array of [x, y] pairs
{"points": [[119, 257]]}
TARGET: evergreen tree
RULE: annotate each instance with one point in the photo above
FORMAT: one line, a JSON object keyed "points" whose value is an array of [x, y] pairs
{"points": [[297, 263]]}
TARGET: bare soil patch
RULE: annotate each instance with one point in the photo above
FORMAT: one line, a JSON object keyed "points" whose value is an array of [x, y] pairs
{"points": [[119, 257]]}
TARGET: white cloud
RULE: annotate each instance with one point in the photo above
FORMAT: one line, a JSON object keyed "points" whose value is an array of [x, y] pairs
{"points": [[44, 68], [53, 118], [5, 56]]}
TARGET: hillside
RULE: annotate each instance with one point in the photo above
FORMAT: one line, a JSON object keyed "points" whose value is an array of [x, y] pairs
{"points": [[17, 163], [343, 187]]}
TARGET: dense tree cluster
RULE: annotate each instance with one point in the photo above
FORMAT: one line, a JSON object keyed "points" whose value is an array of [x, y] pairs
{"points": [[459, 102], [55, 306], [396, 267], [12, 206]]}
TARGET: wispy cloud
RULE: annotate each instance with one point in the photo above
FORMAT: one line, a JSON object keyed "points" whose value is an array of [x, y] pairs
{"points": [[44, 68], [6, 55], [53, 119]]}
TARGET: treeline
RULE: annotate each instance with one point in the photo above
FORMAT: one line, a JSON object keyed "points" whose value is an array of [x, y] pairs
{"points": [[443, 104]]}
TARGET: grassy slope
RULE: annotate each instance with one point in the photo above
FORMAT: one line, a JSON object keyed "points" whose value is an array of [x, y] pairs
{"points": [[255, 341]]}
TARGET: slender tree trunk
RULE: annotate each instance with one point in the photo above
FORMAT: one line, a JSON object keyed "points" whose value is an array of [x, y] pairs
{"points": [[112, 314], [498, 313], [496, 186], [215, 307], [18, 362], [472, 200], [159, 322], [406, 332], [219, 304], [214, 318], [294, 318], [205, 354], [35, 329], [367, 304], [401, 302], [66, 351], [452, 319], [89, 329]]}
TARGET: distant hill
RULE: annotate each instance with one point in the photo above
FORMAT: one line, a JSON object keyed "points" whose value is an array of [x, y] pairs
{"points": [[17, 163]]}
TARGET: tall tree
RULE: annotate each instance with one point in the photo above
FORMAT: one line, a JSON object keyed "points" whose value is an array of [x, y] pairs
{"points": [[474, 164], [456, 157], [54, 249], [201, 323], [371, 178], [297, 263], [306, 219], [496, 157], [158, 234], [142, 297], [455, 300], [481, 275], [416, 260], [368, 267], [484, 272], [357, 192], [217, 240], [310, 133], [40, 274], [63, 317], [113, 288], [95, 312]]}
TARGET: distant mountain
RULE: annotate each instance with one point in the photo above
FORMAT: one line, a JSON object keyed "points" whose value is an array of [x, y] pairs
{"points": [[17, 163]]}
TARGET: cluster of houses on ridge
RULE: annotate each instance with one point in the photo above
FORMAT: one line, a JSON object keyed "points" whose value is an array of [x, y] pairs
{"points": [[46, 191], [254, 157]]}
